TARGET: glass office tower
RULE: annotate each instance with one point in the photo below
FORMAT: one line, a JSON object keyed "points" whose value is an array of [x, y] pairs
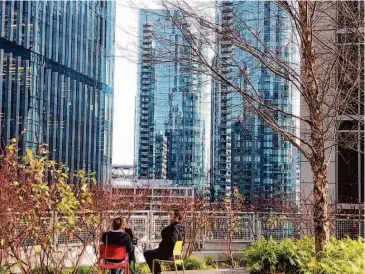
{"points": [[56, 64], [169, 133], [246, 154]]}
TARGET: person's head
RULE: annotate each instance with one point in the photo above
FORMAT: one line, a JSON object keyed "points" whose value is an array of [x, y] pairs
{"points": [[119, 223], [176, 216]]}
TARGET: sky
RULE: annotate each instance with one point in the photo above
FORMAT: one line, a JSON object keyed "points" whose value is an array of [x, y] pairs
{"points": [[125, 84], [125, 79]]}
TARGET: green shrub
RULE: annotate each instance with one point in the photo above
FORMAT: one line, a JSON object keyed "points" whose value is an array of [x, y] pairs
{"points": [[210, 262], [288, 257], [142, 268], [224, 265], [190, 263], [4, 270], [43, 270], [193, 263], [339, 257], [83, 269], [344, 256], [261, 256]]}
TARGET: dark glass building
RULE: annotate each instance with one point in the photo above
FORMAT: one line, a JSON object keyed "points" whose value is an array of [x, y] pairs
{"points": [[56, 64], [169, 127], [246, 154]]}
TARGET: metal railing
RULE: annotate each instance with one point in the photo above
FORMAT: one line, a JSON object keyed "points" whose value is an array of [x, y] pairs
{"points": [[241, 228], [203, 229]]}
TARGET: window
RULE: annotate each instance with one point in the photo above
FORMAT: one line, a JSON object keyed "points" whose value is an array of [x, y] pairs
{"points": [[350, 169]]}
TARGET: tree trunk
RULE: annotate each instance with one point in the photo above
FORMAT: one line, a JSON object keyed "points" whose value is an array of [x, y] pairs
{"points": [[312, 96], [320, 210]]}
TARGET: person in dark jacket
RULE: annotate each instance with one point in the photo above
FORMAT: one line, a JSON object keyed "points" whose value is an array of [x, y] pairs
{"points": [[130, 232], [132, 261], [117, 237], [170, 235]]}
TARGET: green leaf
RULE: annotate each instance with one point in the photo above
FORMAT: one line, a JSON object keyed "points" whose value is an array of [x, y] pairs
{"points": [[84, 187], [29, 153]]}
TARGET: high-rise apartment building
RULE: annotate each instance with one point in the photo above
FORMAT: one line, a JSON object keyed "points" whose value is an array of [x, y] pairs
{"points": [[246, 154], [169, 132], [56, 64]]}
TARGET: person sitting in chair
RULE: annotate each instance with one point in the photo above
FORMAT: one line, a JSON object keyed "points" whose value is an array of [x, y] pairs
{"points": [[120, 238], [132, 260], [129, 231], [170, 235]]}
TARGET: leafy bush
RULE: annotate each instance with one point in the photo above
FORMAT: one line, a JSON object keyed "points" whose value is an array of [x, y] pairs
{"points": [[344, 256], [81, 270], [4, 270], [287, 256], [224, 265], [142, 269], [261, 256], [43, 270], [339, 257], [193, 263], [85, 270], [38, 193], [210, 262], [190, 263]]}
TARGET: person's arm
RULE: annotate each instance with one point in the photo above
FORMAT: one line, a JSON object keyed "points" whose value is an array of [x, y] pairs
{"points": [[183, 236], [175, 235], [178, 235], [130, 248], [131, 234]]}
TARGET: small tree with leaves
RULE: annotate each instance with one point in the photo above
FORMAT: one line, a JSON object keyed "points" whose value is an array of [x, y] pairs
{"points": [[38, 200]]}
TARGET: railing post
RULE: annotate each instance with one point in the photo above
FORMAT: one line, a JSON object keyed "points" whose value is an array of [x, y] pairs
{"points": [[150, 228], [203, 231], [257, 226], [199, 228]]}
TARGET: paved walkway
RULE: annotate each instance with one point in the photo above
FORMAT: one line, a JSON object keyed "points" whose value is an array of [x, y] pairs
{"points": [[211, 271]]}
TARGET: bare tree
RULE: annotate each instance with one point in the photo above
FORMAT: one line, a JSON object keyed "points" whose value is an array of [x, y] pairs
{"points": [[327, 75]]}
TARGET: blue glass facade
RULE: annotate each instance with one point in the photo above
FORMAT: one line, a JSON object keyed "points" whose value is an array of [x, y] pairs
{"points": [[169, 132], [56, 79], [244, 152]]}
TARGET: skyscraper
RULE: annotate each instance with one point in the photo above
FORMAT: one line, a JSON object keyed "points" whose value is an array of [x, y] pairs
{"points": [[56, 63], [169, 133], [246, 154]]}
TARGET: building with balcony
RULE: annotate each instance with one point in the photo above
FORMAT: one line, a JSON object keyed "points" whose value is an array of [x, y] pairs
{"points": [[56, 84], [169, 137], [245, 153]]}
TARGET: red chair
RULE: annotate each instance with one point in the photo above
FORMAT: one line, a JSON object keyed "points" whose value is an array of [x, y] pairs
{"points": [[113, 252]]}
